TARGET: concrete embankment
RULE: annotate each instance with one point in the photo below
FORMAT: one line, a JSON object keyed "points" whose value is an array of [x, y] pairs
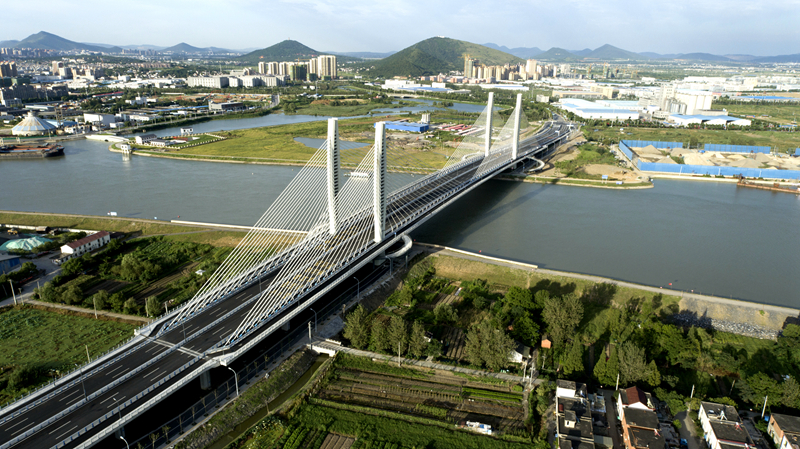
{"points": [[724, 314]]}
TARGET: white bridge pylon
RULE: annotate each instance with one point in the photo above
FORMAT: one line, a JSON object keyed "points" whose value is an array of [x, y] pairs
{"points": [[319, 225]]}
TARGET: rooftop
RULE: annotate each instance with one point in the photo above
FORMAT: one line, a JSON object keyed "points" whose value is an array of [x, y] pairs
{"points": [[582, 429], [645, 438], [634, 395], [730, 431], [787, 423], [641, 418], [721, 411], [89, 238]]}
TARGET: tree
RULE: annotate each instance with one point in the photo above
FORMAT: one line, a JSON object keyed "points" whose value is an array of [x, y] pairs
{"points": [[612, 367], [398, 335], [573, 362], [356, 327], [652, 376], [632, 363], [562, 315], [117, 302], [521, 297], [72, 295], [488, 345], [100, 299], [525, 329], [791, 393], [152, 306], [434, 348], [601, 370], [444, 313], [130, 307], [416, 340], [379, 338]]}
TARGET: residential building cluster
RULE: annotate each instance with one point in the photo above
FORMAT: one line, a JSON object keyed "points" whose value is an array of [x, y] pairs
{"points": [[322, 67], [237, 78]]}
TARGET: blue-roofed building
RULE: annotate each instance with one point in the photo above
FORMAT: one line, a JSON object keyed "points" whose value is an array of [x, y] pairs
{"points": [[33, 126], [771, 98], [685, 120], [9, 263], [591, 110], [408, 126]]}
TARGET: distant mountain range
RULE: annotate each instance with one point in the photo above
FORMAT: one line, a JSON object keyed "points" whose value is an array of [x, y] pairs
{"points": [[186, 48], [438, 55], [421, 57], [48, 41]]}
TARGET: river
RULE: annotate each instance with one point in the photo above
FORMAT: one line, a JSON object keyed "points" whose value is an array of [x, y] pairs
{"points": [[712, 238]]}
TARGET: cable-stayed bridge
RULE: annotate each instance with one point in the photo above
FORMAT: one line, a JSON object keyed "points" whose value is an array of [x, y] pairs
{"points": [[344, 209]]}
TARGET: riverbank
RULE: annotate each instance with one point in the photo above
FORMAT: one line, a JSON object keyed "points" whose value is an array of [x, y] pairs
{"points": [[576, 182], [725, 314]]}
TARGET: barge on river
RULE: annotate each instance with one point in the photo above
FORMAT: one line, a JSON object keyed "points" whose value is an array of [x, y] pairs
{"points": [[30, 151]]}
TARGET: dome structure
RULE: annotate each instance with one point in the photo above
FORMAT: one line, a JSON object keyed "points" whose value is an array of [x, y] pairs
{"points": [[33, 126]]}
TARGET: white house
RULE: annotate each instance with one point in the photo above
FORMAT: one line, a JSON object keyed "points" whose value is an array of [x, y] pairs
{"points": [[723, 427], [145, 138], [86, 244]]}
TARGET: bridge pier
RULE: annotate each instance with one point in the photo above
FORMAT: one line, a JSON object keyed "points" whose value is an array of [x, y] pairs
{"points": [[489, 111], [379, 179], [285, 326], [205, 380], [515, 138], [333, 177]]}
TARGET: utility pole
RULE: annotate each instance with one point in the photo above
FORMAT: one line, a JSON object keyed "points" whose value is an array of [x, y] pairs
{"points": [[617, 387], [309, 330], [398, 354], [87, 354], [763, 410], [12, 291]]}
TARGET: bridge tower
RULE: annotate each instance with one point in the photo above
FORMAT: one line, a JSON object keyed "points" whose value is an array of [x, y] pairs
{"points": [[489, 111], [515, 138], [333, 177], [379, 186]]}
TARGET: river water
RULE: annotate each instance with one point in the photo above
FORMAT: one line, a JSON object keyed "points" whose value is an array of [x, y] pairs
{"points": [[708, 237]]}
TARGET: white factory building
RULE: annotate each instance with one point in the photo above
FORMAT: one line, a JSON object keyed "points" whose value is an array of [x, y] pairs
{"points": [[596, 111], [699, 119]]}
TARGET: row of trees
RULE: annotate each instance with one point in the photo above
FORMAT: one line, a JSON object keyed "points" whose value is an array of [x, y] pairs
{"points": [[392, 336]]}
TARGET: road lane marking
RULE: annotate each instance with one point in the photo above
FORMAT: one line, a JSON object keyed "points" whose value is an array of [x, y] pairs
{"points": [[159, 375], [154, 347], [120, 373], [181, 349], [74, 401], [218, 331], [65, 433], [65, 397], [115, 369], [20, 422], [59, 428], [22, 429], [151, 372], [116, 402]]}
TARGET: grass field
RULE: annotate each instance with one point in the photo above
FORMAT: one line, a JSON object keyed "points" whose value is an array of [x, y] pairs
{"points": [[504, 277], [772, 112], [214, 238], [780, 140], [277, 142], [343, 111], [147, 227], [50, 342]]}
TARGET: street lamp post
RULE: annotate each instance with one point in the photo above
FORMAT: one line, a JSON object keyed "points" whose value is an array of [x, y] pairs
{"points": [[235, 380], [358, 288], [12, 291], [126, 441], [82, 384], [94, 301], [315, 318]]}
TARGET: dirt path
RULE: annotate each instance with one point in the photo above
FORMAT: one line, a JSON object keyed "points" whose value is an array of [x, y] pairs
{"points": [[88, 312]]}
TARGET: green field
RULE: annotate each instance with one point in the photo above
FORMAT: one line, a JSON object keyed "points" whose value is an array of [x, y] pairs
{"points": [[38, 344], [276, 144], [770, 112], [694, 137], [146, 227]]}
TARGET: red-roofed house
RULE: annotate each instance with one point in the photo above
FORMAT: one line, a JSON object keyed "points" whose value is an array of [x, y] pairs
{"points": [[634, 397], [86, 244]]}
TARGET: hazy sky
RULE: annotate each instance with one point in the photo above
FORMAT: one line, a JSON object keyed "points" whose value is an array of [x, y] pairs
{"points": [[760, 27]]}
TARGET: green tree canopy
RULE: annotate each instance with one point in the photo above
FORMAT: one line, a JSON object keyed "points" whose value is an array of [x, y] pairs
{"points": [[356, 327]]}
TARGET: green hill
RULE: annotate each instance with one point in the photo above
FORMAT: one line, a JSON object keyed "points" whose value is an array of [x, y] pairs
{"points": [[48, 41], [558, 54], [438, 55], [287, 50], [611, 52]]}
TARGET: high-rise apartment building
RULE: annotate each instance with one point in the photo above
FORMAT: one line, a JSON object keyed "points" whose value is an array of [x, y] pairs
{"points": [[8, 69], [327, 66]]}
